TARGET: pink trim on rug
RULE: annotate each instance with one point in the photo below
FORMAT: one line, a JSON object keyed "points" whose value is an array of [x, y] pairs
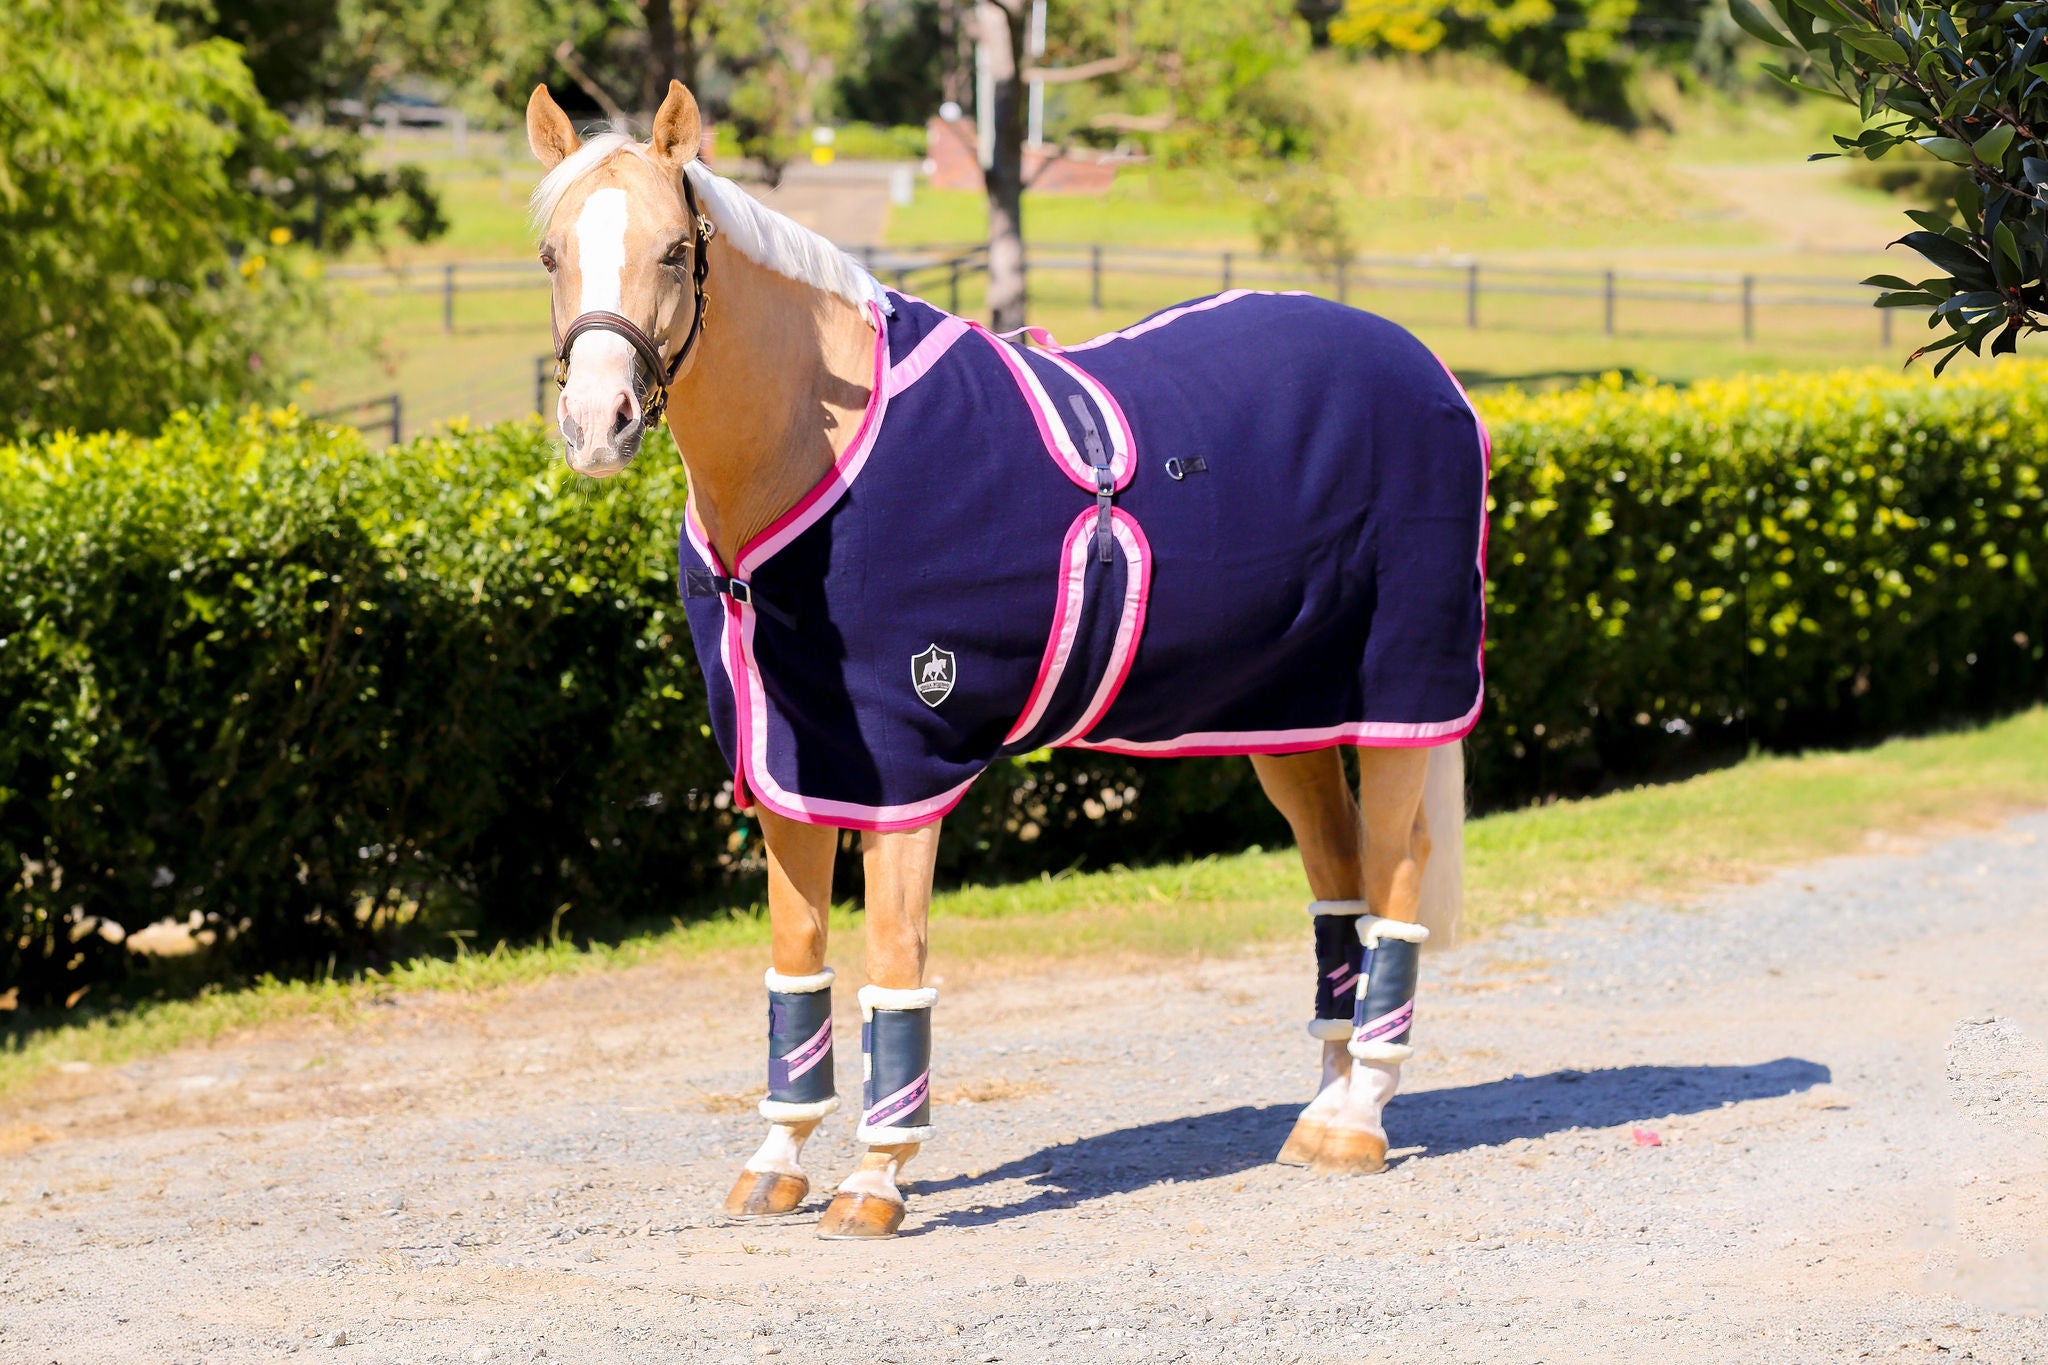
{"points": [[1051, 429], [1123, 439], [1066, 623], [700, 541], [1485, 492], [1366, 734], [1176, 314], [925, 354], [828, 490], [1130, 625], [753, 735]]}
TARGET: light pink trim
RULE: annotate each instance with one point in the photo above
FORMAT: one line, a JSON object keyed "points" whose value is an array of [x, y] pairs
{"points": [[765, 789], [1052, 428], [936, 343], [1130, 625], [1374, 734], [828, 490], [1368, 734], [1485, 522], [1123, 441], [1176, 314], [1066, 623]]}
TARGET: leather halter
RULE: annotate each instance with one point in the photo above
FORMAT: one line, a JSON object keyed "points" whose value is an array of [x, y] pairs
{"points": [[657, 376]]}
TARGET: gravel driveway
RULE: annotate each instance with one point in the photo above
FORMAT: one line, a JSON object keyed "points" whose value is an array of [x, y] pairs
{"points": [[1805, 1121]]}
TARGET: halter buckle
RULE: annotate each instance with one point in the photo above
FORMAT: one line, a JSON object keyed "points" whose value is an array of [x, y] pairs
{"points": [[561, 372]]}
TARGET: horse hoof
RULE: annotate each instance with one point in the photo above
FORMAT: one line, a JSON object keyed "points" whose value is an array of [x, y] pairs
{"points": [[859, 1217], [1348, 1151], [765, 1194], [1303, 1143]]}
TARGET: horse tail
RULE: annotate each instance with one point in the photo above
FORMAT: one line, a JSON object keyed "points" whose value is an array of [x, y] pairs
{"points": [[1443, 874]]}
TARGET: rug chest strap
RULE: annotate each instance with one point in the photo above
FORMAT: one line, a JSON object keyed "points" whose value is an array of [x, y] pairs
{"points": [[705, 583]]}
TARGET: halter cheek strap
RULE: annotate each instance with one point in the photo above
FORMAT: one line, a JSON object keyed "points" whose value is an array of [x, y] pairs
{"points": [[654, 398]]}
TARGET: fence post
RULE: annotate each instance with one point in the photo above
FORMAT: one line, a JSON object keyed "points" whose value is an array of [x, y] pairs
{"points": [[1749, 308], [903, 281], [1884, 326], [540, 385], [1472, 295], [1343, 282], [1608, 300], [1095, 276], [397, 419], [448, 298], [953, 287], [1226, 269]]}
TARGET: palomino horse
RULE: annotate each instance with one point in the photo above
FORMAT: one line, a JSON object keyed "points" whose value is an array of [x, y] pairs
{"points": [[1249, 525]]}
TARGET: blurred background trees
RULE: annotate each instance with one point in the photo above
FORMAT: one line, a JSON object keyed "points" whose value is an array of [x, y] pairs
{"points": [[171, 173]]}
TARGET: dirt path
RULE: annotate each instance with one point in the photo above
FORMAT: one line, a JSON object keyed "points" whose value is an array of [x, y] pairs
{"points": [[1840, 1068]]}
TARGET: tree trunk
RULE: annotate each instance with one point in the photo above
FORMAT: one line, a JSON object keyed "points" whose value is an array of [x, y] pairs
{"points": [[999, 33], [956, 63], [661, 55]]}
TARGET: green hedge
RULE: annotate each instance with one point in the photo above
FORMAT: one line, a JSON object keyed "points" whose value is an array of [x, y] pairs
{"points": [[325, 699], [1787, 560]]}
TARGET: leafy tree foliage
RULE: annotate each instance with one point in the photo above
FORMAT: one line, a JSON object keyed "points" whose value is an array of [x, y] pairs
{"points": [[1967, 82], [1583, 50], [145, 269]]}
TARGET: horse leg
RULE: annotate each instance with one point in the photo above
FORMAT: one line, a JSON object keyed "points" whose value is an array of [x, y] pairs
{"points": [[896, 1034], [800, 1081], [1397, 848], [1310, 791]]}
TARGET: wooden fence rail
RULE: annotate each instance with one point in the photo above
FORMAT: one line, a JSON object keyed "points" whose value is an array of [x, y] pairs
{"points": [[1745, 296]]}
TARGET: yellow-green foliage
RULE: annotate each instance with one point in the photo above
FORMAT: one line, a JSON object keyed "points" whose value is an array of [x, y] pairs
{"points": [[1787, 559]]}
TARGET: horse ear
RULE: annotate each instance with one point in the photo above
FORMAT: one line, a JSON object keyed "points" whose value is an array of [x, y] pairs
{"points": [[548, 130], [677, 128]]}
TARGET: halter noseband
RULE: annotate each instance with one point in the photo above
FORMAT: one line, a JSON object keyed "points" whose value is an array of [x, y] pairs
{"points": [[654, 398]]}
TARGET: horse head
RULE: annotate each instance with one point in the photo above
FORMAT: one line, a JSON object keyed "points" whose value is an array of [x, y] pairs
{"points": [[624, 248]]}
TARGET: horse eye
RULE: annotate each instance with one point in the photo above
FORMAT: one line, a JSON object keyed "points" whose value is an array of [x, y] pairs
{"points": [[547, 261]]}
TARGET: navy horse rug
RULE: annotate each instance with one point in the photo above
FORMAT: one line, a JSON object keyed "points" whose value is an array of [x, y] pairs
{"points": [[1255, 523]]}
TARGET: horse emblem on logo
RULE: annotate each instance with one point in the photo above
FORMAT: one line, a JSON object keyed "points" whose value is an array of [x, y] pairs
{"points": [[932, 674]]}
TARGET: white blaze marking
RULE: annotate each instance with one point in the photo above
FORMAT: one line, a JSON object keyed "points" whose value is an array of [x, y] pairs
{"points": [[601, 363], [601, 247]]}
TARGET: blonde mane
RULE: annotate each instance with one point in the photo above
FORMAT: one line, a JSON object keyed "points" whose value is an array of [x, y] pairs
{"points": [[756, 231]]}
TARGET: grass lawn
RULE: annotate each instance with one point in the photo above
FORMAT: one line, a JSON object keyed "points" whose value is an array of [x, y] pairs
{"points": [[1665, 843]]}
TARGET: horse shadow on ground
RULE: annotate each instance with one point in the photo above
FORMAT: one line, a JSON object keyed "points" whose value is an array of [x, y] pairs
{"points": [[1440, 1122]]}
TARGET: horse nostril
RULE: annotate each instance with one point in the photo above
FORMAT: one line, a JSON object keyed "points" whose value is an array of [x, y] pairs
{"points": [[623, 422]]}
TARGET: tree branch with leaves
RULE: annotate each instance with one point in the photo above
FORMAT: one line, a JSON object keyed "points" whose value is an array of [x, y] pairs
{"points": [[1968, 83]]}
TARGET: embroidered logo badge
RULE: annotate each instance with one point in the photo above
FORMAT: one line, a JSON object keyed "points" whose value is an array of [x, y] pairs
{"points": [[932, 674]]}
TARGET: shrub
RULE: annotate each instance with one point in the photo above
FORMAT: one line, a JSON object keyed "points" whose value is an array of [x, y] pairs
{"points": [[323, 699], [1790, 560], [252, 673]]}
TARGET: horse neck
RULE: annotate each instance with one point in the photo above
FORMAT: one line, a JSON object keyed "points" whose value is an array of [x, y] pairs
{"points": [[776, 394]]}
